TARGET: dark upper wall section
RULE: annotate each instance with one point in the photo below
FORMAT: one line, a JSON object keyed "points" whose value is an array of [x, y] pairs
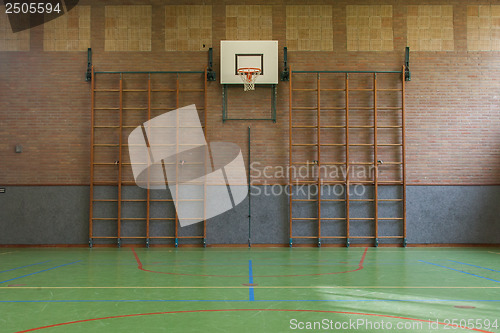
{"points": [[452, 101]]}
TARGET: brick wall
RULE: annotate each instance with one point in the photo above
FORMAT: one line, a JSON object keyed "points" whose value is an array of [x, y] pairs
{"points": [[452, 102]]}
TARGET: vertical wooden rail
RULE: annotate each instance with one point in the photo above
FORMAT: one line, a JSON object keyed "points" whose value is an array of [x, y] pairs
{"points": [[375, 156], [120, 144], [148, 198], [403, 139], [205, 112], [347, 158], [91, 208], [290, 186], [177, 164], [318, 130]]}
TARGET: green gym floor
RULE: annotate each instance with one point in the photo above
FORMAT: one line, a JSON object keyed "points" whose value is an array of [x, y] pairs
{"points": [[249, 290]]}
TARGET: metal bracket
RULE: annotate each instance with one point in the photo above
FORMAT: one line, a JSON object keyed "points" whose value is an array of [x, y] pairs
{"points": [[88, 76], [147, 242], [210, 72], [90, 242], [405, 243], [176, 242], [376, 242], [319, 242], [274, 97], [407, 64], [347, 243], [285, 75], [290, 243], [119, 243]]}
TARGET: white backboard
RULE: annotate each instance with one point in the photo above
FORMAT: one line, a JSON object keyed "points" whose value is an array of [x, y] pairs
{"points": [[235, 54]]}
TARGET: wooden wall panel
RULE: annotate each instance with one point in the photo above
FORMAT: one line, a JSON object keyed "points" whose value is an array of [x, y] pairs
{"points": [[249, 22], [430, 28], [127, 28], [309, 28], [69, 32]]}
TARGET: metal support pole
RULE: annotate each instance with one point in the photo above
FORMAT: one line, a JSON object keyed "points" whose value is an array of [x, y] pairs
{"points": [[249, 194]]}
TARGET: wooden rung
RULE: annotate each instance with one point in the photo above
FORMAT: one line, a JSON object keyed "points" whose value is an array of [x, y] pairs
{"points": [[388, 144], [304, 108], [304, 218], [362, 237], [361, 108], [104, 237], [162, 218], [305, 127], [360, 89], [389, 107], [327, 182], [133, 237], [360, 144], [361, 163], [390, 218], [389, 127], [304, 144], [332, 90], [163, 90], [106, 90], [362, 218], [305, 237], [192, 90], [190, 237], [400, 237], [361, 126], [332, 126], [333, 200], [105, 145], [161, 200], [389, 182], [135, 90], [162, 237], [332, 218], [304, 200], [107, 126], [333, 163], [106, 108], [133, 200], [333, 237], [362, 200], [332, 108], [304, 182], [332, 144], [361, 182], [390, 199], [133, 218], [389, 89]]}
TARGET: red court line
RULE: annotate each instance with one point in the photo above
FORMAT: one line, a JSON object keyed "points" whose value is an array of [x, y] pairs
{"points": [[360, 267], [259, 310]]}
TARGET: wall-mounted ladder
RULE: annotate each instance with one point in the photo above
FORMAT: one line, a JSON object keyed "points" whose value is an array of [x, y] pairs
{"points": [[340, 124], [120, 102]]}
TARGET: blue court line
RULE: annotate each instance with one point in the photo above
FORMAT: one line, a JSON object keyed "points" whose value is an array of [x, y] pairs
{"points": [[263, 300], [45, 270], [13, 269], [463, 263], [251, 295], [457, 270]]}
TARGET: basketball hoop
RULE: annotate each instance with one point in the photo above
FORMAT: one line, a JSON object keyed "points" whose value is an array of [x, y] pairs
{"points": [[249, 76]]}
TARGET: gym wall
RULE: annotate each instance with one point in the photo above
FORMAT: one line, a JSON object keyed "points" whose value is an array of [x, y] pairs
{"points": [[453, 147]]}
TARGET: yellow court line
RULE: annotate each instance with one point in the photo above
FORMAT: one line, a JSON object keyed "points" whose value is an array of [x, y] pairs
{"points": [[260, 287], [493, 252]]}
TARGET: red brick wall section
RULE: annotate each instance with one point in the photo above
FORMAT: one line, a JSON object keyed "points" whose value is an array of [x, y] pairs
{"points": [[452, 102]]}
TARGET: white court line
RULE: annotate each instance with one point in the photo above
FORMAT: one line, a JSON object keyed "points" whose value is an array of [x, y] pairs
{"points": [[260, 287], [7, 253], [493, 252]]}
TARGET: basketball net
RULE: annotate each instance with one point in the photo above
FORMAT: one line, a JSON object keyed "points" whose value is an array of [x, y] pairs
{"points": [[249, 76]]}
